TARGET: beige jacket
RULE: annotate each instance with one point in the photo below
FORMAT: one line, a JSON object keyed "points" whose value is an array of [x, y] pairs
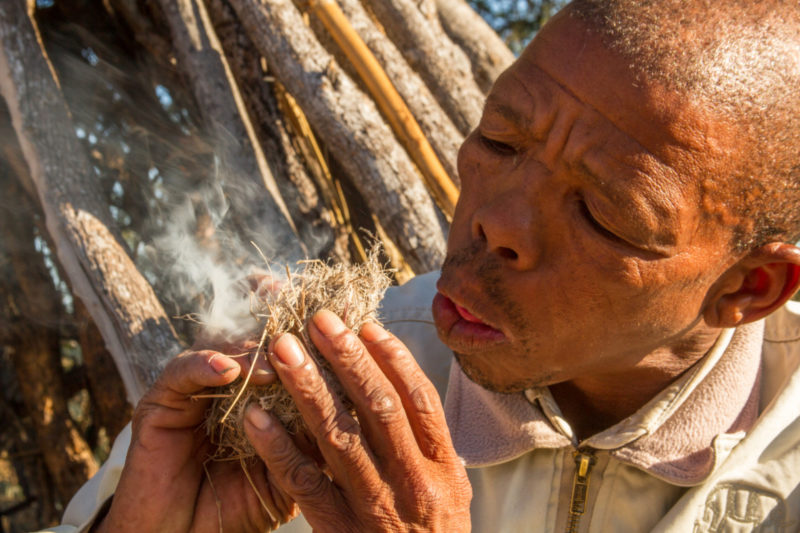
{"points": [[718, 450]]}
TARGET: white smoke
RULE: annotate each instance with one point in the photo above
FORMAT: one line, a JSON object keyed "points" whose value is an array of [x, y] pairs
{"points": [[208, 265]]}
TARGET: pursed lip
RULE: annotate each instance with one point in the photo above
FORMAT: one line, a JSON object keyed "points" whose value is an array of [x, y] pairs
{"points": [[463, 329]]}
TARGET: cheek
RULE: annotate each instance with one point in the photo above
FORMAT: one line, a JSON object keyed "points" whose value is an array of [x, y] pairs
{"points": [[655, 296], [669, 299]]}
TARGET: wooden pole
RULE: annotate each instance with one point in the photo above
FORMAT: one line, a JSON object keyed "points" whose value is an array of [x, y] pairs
{"points": [[390, 103]]}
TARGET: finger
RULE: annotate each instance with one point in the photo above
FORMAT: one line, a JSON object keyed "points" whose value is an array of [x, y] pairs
{"points": [[379, 407], [263, 373], [296, 474], [177, 390], [265, 496], [263, 284], [282, 499], [337, 433], [418, 395]]}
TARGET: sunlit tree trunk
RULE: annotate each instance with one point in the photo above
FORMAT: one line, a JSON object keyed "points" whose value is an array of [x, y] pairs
{"points": [[351, 126], [122, 303], [414, 27], [487, 52]]}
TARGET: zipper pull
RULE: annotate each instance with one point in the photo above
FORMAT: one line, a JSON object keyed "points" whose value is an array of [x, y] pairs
{"points": [[584, 461]]}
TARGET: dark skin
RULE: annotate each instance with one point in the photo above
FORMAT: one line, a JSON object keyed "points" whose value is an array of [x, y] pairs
{"points": [[584, 255], [584, 239], [394, 469]]}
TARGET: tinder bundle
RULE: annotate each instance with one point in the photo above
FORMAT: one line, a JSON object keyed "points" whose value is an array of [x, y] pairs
{"points": [[353, 292]]}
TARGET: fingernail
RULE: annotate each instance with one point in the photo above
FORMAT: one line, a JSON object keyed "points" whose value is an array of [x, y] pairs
{"points": [[221, 364], [258, 418], [288, 351], [328, 323], [372, 332]]}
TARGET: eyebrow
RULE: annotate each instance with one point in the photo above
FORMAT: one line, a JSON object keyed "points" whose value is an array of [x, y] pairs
{"points": [[504, 110]]}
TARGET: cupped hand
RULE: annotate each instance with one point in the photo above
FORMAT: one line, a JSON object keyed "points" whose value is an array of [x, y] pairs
{"points": [[390, 468], [167, 484]]}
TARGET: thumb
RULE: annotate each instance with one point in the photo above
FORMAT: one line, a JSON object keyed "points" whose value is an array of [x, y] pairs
{"points": [[172, 398]]}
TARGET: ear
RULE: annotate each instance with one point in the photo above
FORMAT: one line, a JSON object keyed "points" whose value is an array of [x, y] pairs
{"points": [[759, 284]]}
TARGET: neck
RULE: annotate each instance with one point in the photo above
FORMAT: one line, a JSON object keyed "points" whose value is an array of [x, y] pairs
{"points": [[594, 403]]}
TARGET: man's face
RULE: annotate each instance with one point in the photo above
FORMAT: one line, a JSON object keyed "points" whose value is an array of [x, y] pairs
{"points": [[579, 246]]}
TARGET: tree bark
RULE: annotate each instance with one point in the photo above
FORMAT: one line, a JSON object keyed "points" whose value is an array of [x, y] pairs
{"points": [[434, 122], [414, 27], [390, 103], [143, 30], [487, 52], [36, 356], [106, 390], [262, 218], [22, 464], [351, 126], [122, 303], [313, 219]]}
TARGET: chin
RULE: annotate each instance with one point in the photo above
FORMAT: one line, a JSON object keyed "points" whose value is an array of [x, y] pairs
{"points": [[490, 381]]}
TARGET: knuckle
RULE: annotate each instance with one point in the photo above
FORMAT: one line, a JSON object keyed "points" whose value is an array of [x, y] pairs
{"points": [[393, 348], [429, 494], [306, 480], [384, 405], [340, 432], [282, 452], [423, 398], [309, 383], [347, 346]]}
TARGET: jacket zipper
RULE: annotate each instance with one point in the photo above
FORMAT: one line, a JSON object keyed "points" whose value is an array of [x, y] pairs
{"points": [[584, 461]]}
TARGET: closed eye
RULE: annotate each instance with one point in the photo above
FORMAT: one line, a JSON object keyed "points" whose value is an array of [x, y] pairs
{"points": [[498, 147], [597, 226]]}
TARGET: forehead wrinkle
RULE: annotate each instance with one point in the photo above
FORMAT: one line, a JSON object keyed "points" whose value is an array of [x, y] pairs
{"points": [[608, 119]]}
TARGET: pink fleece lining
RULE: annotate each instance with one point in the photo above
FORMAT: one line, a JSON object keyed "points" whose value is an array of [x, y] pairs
{"points": [[490, 428]]}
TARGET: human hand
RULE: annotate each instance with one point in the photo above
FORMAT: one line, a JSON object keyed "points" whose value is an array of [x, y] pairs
{"points": [[166, 484], [391, 469]]}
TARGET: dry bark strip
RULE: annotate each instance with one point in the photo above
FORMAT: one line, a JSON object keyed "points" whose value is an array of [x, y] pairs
{"points": [[351, 126], [414, 27], [487, 52], [434, 122], [262, 217], [390, 103], [137, 332]]}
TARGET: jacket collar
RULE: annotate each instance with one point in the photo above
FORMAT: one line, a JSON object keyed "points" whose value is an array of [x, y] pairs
{"points": [[679, 436]]}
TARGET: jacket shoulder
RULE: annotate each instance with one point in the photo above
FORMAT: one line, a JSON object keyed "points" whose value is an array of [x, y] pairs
{"points": [[406, 312]]}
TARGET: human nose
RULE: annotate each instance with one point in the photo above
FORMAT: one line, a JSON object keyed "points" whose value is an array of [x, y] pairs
{"points": [[505, 226]]}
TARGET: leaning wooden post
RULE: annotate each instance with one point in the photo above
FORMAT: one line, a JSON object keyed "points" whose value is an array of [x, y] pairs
{"points": [[353, 129], [390, 102], [134, 326], [414, 27], [242, 160], [487, 52]]}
